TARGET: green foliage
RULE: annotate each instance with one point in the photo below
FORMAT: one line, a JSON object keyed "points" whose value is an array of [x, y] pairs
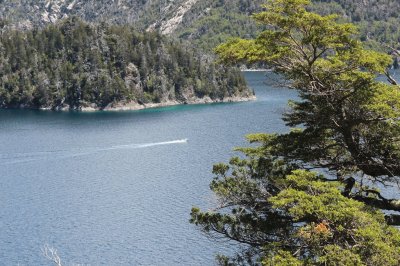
{"points": [[293, 217], [344, 108], [281, 258], [348, 124], [74, 64]]}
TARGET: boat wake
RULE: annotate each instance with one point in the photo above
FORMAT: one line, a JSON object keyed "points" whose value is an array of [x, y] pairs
{"points": [[18, 158], [147, 145]]}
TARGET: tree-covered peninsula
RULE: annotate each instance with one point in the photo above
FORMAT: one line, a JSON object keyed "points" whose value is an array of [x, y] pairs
{"points": [[76, 65]]}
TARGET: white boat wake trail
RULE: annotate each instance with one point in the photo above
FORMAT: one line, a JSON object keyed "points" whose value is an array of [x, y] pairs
{"points": [[51, 155], [147, 145]]}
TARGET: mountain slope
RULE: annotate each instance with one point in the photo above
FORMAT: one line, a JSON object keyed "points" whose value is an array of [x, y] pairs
{"points": [[205, 23], [188, 19]]}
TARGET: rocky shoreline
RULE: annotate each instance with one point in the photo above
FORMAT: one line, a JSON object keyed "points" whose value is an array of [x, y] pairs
{"points": [[133, 106]]}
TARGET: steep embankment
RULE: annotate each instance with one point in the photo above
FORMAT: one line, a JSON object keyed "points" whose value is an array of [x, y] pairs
{"points": [[75, 65]]}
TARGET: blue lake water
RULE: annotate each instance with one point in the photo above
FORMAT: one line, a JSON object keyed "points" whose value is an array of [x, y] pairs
{"points": [[116, 188]]}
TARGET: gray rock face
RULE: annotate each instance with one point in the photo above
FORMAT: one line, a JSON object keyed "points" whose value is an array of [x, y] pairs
{"points": [[26, 13]]}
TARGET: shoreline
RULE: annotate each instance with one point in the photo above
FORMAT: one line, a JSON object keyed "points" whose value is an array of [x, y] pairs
{"points": [[134, 106]]}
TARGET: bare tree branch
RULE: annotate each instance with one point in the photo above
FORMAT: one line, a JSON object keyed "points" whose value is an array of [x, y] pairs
{"points": [[51, 254]]}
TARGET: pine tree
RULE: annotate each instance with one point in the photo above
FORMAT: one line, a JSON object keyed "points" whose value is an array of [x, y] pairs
{"points": [[348, 124]]}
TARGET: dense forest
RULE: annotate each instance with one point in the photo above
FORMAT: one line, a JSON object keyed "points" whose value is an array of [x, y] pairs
{"points": [[212, 22], [378, 21], [73, 64]]}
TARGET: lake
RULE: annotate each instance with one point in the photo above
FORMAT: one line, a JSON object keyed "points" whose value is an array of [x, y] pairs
{"points": [[116, 188]]}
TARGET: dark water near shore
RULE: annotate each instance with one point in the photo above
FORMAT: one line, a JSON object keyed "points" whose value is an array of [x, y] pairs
{"points": [[117, 188]]}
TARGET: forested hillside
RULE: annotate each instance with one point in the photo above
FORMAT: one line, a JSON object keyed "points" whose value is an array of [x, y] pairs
{"points": [[205, 23], [210, 22], [73, 64]]}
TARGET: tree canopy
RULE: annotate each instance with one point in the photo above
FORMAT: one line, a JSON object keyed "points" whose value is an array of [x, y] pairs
{"points": [[346, 124]]}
